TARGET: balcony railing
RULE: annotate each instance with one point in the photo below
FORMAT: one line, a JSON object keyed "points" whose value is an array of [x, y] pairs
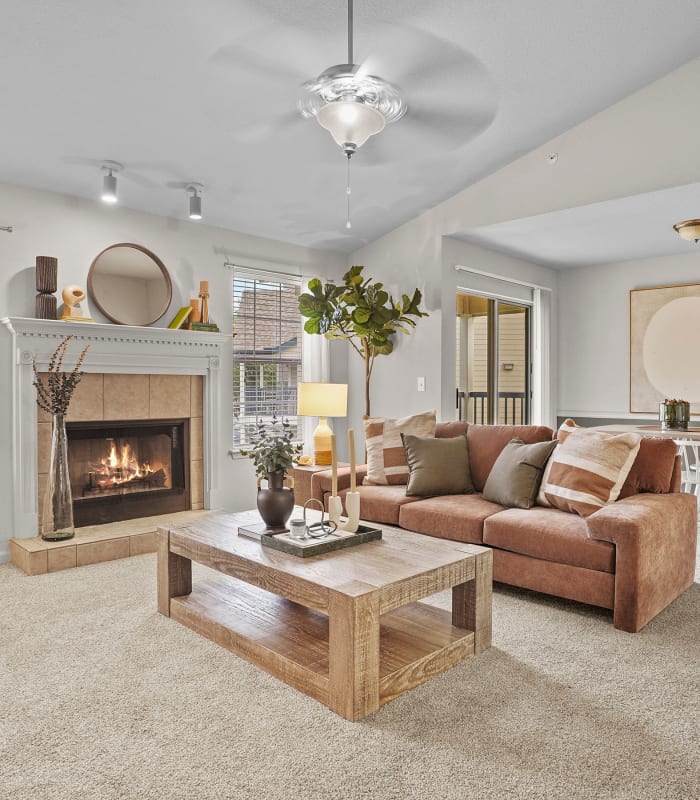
{"points": [[514, 407]]}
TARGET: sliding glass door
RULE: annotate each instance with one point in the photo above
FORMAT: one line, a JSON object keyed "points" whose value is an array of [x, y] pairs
{"points": [[493, 360]]}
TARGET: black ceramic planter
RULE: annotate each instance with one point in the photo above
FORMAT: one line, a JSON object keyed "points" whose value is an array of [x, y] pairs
{"points": [[275, 504]]}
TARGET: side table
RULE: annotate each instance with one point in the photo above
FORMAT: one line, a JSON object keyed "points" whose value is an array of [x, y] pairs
{"points": [[302, 479]]}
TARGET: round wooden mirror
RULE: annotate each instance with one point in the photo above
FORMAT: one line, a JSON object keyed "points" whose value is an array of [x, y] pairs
{"points": [[130, 285]]}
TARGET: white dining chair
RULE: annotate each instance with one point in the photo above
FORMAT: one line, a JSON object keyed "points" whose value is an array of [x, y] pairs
{"points": [[689, 451]]}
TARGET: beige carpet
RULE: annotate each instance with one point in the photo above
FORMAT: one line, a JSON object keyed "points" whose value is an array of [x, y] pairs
{"points": [[100, 697]]}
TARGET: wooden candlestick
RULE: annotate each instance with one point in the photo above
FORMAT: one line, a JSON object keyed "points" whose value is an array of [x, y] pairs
{"points": [[195, 314], [204, 296], [351, 447], [334, 467]]}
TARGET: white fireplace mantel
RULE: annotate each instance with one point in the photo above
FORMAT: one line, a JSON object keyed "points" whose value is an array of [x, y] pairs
{"points": [[113, 349]]}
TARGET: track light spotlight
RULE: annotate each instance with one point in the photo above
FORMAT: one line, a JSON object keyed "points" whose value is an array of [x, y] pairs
{"points": [[109, 182], [195, 200]]}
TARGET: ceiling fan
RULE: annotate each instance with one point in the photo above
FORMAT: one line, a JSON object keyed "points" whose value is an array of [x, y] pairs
{"points": [[447, 97], [351, 104]]}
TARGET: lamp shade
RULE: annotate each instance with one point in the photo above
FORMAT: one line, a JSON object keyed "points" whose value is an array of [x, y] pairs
{"points": [[350, 122], [322, 399]]}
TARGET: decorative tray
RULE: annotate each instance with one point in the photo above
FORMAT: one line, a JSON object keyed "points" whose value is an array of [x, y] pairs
{"points": [[305, 548]]}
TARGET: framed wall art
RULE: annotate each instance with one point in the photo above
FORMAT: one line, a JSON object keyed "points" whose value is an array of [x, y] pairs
{"points": [[664, 347]]}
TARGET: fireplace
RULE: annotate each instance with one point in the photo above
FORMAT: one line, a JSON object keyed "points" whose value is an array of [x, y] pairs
{"points": [[125, 470]]}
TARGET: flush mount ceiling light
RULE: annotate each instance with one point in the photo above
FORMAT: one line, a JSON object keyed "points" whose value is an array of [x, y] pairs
{"points": [[350, 104], [690, 230], [109, 182], [196, 189]]}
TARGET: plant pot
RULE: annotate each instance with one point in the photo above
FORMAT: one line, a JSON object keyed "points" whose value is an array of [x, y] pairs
{"points": [[674, 416], [275, 504]]}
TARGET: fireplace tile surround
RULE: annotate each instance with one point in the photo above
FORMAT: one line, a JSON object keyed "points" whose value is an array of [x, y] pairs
{"points": [[130, 373], [98, 398]]}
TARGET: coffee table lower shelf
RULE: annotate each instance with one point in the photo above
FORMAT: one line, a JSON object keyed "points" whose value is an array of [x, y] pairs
{"points": [[291, 641]]}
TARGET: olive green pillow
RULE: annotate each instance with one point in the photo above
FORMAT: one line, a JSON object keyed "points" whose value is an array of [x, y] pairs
{"points": [[437, 466], [515, 478]]}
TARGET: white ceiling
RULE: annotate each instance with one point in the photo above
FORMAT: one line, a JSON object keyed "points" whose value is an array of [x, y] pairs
{"points": [[181, 91], [623, 229]]}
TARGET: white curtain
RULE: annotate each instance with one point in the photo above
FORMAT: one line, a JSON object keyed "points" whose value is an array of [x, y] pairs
{"points": [[316, 367], [542, 409]]}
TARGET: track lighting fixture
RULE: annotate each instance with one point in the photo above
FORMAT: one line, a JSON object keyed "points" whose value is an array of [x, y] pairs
{"points": [[109, 182], [195, 200]]}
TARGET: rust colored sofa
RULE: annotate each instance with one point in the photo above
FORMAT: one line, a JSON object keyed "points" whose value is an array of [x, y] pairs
{"points": [[634, 556]]}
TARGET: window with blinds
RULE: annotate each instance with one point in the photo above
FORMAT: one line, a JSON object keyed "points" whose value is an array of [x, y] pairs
{"points": [[267, 361]]}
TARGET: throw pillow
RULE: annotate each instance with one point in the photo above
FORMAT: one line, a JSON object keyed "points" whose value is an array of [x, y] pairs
{"points": [[386, 458], [652, 470], [437, 466], [515, 477], [587, 470], [567, 427]]}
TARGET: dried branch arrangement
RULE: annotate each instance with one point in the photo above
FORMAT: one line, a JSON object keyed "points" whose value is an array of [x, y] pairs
{"points": [[55, 394]]}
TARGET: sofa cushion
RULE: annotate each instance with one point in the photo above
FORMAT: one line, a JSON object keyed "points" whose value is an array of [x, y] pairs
{"points": [[567, 427], [437, 466], [515, 477], [459, 517], [386, 458], [652, 470], [487, 441], [551, 535], [380, 503], [587, 470], [446, 430]]}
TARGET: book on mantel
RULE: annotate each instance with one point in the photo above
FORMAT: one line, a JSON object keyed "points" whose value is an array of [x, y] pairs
{"points": [[212, 327]]}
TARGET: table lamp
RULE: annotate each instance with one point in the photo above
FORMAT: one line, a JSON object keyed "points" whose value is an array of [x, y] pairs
{"points": [[322, 400]]}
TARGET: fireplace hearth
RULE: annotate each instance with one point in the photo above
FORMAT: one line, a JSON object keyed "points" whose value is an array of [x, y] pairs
{"points": [[126, 470]]}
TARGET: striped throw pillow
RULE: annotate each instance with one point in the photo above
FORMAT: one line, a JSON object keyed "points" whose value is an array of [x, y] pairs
{"points": [[386, 457], [567, 427], [588, 468]]}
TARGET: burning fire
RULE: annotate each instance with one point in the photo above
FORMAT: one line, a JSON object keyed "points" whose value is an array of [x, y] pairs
{"points": [[120, 467]]}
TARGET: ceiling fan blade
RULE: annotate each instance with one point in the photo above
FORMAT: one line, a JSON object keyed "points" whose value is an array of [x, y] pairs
{"points": [[268, 128], [457, 126], [239, 60]]}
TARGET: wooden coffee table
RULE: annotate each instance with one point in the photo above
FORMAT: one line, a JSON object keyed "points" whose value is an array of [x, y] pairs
{"points": [[346, 628]]}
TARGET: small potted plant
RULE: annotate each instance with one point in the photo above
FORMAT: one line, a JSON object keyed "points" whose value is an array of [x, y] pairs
{"points": [[273, 451], [674, 415]]}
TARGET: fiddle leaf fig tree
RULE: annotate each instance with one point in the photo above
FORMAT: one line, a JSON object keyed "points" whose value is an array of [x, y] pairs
{"points": [[361, 312]]}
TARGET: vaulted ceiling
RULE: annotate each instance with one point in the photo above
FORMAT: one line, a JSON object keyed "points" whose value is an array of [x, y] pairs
{"points": [[180, 91]]}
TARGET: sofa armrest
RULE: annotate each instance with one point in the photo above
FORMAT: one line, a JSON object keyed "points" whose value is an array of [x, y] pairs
{"points": [[321, 482], [655, 538]]}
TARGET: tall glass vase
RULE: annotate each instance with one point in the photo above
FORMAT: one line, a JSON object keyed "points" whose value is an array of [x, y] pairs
{"points": [[57, 520]]}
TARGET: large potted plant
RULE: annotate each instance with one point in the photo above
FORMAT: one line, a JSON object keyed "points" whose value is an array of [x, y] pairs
{"points": [[363, 313], [273, 451]]}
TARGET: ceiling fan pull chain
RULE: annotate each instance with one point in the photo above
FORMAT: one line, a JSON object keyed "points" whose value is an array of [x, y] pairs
{"points": [[348, 191]]}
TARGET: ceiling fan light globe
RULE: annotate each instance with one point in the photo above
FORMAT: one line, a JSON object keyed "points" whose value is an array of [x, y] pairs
{"points": [[350, 122]]}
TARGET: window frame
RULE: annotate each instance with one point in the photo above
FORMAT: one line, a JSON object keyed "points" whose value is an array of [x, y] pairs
{"points": [[279, 282]]}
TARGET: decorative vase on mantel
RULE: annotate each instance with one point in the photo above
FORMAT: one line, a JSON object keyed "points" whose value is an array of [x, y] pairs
{"points": [[276, 503], [57, 520]]}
